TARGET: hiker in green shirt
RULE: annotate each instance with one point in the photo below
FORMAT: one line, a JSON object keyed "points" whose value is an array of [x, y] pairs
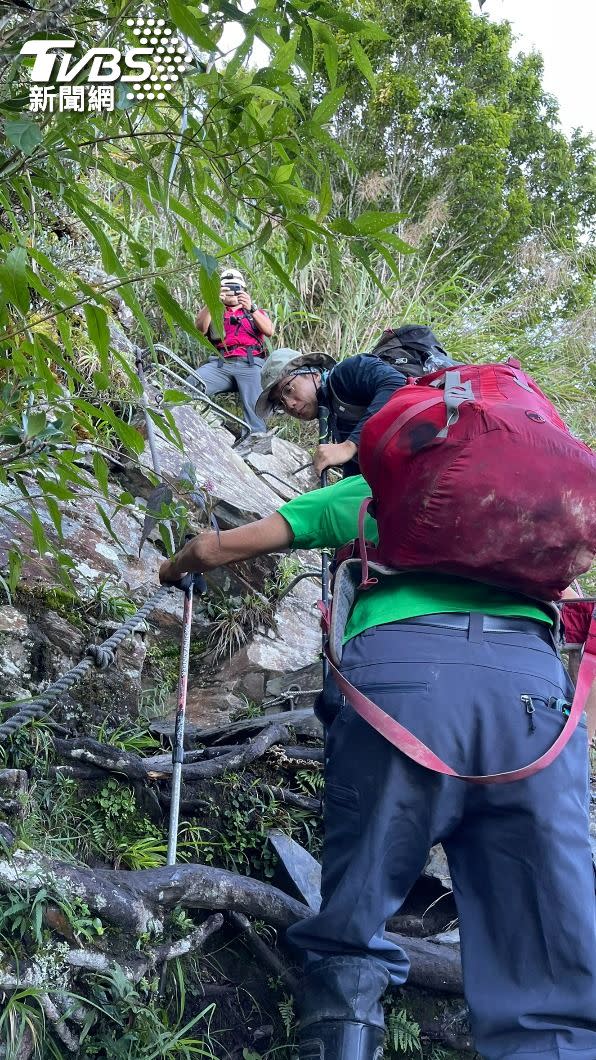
{"points": [[473, 672]]}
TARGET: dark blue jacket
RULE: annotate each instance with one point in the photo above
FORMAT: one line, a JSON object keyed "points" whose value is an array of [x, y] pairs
{"points": [[353, 391]]}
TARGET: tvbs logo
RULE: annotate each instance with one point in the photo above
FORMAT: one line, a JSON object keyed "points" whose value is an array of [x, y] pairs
{"points": [[149, 69]]}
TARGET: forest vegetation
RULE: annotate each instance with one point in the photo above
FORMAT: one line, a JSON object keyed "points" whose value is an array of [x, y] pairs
{"points": [[387, 163]]}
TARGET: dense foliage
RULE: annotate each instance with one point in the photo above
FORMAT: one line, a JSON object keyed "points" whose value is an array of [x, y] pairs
{"points": [[213, 166], [387, 162], [457, 133]]}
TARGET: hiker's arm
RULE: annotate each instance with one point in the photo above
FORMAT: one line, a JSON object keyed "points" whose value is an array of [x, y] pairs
{"points": [[264, 324], [364, 381], [260, 318], [213, 549], [333, 454], [203, 320]]}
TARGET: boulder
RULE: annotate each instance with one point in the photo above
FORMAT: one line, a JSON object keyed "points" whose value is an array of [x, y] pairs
{"points": [[13, 621], [294, 643], [278, 467], [61, 634]]}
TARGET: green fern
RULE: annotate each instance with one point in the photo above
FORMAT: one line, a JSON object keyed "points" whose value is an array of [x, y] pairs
{"points": [[310, 781], [286, 1011], [403, 1033]]}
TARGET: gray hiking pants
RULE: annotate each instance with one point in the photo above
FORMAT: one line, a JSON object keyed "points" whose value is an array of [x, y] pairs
{"points": [[235, 374]]}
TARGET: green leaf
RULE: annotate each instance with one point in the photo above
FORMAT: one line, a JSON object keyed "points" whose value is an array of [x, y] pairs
{"points": [[15, 565], [99, 332], [107, 522], [208, 262], [306, 49], [174, 310], [129, 436], [65, 333], [331, 59], [363, 62], [55, 514], [23, 134], [325, 197], [40, 540], [281, 174], [210, 286], [372, 221], [13, 279], [280, 273], [189, 22], [328, 106], [101, 380], [161, 257], [101, 472], [34, 423]]}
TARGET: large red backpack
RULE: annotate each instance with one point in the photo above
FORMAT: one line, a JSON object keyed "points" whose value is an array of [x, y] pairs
{"points": [[473, 473]]}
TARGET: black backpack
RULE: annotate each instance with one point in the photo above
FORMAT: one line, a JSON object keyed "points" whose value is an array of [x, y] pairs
{"points": [[412, 349]]}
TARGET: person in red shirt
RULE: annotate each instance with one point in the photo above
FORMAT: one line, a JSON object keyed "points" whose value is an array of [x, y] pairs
{"points": [[241, 351]]}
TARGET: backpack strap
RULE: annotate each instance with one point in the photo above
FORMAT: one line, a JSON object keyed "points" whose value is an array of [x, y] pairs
{"points": [[418, 751], [347, 411], [256, 334], [259, 349]]}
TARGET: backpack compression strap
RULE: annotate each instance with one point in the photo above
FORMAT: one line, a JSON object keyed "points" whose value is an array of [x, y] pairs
{"points": [[415, 749]]}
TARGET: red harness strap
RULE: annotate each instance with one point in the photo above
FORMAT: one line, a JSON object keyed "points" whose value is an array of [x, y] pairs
{"points": [[415, 749]]}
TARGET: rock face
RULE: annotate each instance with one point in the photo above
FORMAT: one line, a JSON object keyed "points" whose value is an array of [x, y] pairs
{"points": [[39, 642], [296, 641], [237, 491]]}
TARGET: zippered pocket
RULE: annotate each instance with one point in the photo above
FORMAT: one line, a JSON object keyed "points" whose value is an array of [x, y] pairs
{"points": [[403, 686]]}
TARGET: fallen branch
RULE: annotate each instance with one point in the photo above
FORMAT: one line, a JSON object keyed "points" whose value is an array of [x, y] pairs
{"points": [[302, 721], [434, 966], [265, 954], [56, 1018], [135, 901], [292, 798], [159, 767]]}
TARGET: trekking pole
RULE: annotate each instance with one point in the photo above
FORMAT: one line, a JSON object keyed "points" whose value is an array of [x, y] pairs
{"points": [[323, 438], [178, 744], [188, 583]]}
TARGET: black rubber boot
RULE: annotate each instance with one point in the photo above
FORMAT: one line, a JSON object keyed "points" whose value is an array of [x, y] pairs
{"points": [[340, 1011], [340, 1040]]}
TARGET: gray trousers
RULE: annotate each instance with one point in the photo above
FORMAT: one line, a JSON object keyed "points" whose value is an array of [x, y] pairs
{"points": [[519, 853], [222, 376]]}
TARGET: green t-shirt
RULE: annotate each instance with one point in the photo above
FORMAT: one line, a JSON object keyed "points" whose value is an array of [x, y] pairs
{"points": [[328, 518]]}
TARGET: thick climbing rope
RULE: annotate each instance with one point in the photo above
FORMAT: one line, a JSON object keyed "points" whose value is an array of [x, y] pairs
{"points": [[100, 655]]}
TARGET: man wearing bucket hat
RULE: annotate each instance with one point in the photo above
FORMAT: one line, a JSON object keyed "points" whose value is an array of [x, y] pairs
{"points": [[352, 390], [240, 352]]}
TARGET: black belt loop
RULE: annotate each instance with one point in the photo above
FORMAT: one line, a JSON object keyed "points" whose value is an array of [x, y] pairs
{"points": [[475, 627]]}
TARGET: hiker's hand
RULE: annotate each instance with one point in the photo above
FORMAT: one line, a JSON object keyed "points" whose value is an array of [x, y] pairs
{"points": [[170, 575], [244, 299], [333, 454]]}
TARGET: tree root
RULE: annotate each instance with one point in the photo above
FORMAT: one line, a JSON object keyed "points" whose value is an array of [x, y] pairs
{"points": [[268, 956], [135, 902], [89, 753]]}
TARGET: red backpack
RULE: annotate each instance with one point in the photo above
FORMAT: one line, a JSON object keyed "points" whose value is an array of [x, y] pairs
{"points": [[473, 473]]}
